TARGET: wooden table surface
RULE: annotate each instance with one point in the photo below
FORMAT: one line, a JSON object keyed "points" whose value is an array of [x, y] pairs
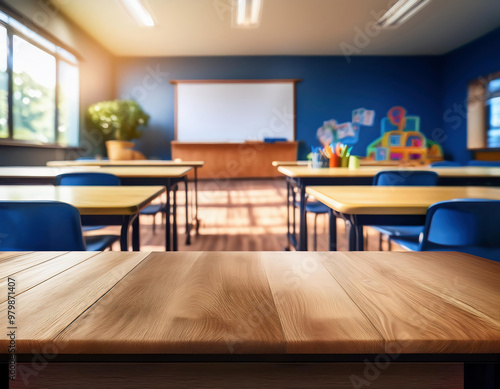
{"points": [[253, 302], [394, 200], [290, 163], [148, 162], [371, 171], [89, 200], [363, 162], [123, 171]]}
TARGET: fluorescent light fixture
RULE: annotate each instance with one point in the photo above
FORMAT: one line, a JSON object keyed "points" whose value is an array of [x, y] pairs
{"points": [[242, 12], [139, 12], [255, 11], [247, 12], [401, 12]]}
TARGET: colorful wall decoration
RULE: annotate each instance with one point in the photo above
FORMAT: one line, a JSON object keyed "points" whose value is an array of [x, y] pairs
{"points": [[401, 140], [346, 133]]}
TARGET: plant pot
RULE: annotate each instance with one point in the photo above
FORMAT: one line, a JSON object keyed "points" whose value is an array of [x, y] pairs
{"points": [[120, 150]]}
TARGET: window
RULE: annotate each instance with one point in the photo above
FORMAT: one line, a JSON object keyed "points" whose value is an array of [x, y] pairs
{"points": [[39, 87], [4, 84], [493, 104]]}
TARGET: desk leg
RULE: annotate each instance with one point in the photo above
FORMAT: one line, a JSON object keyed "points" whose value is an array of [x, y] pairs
{"points": [[126, 222], [167, 219], [351, 236], [196, 200], [287, 215], [294, 221], [303, 220], [333, 230], [136, 236], [174, 225], [360, 241], [188, 222], [354, 234]]}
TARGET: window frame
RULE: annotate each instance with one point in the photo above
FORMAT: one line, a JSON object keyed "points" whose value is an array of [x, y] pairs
{"points": [[11, 31]]}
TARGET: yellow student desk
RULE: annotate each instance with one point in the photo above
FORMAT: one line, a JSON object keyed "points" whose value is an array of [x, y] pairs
{"points": [[107, 205], [168, 176], [387, 205], [301, 177], [195, 221], [252, 319]]}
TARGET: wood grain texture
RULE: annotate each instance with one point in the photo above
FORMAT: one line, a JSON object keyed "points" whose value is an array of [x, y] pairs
{"points": [[218, 303], [45, 310], [394, 200], [244, 376], [21, 261], [105, 163], [235, 160], [89, 200], [470, 283], [27, 278], [137, 314], [411, 318], [316, 314], [9, 254], [256, 303], [370, 171]]}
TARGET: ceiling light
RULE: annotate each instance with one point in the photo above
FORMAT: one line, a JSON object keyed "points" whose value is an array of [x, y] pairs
{"points": [[247, 12], [401, 12], [139, 12]]}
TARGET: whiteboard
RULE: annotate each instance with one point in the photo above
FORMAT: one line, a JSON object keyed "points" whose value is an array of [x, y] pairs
{"points": [[235, 112]]}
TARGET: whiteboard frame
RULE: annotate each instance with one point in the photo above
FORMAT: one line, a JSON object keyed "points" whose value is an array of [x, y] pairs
{"points": [[293, 81]]}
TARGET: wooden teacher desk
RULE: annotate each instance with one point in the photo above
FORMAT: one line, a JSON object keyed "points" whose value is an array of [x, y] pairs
{"points": [[301, 177], [252, 319], [235, 160], [195, 221], [107, 205], [387, 205], [168, 176]]}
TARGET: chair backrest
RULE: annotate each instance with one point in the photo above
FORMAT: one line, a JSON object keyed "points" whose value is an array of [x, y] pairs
{"points": [[405, 178], [87, 179], [466, 225], [40, 226], [484, 163], [445, 164]]}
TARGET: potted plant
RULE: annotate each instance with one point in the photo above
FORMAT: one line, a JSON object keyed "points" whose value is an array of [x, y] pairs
{"points": [[119, 121]]}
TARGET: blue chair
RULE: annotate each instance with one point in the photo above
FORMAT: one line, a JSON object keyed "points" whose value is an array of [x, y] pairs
{"points": [[465, 225], [484, 163], [152, 210], [317, 208], [445, 164], [40, 226], [405, 178], [94, 242], [402, 178], [87, 179]]}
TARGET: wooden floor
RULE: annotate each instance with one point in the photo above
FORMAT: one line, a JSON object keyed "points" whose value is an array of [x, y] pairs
{"points": [[240, 215]]}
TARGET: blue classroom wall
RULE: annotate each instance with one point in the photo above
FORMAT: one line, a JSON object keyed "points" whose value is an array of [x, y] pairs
{"points": [[476, 59], [330, 89]]}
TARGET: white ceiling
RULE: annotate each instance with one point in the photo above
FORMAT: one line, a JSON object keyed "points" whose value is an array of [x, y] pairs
{"points": [[288, 27]]}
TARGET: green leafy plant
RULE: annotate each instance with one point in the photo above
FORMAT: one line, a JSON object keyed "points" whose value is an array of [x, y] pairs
{"points": [[118, 119]]}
